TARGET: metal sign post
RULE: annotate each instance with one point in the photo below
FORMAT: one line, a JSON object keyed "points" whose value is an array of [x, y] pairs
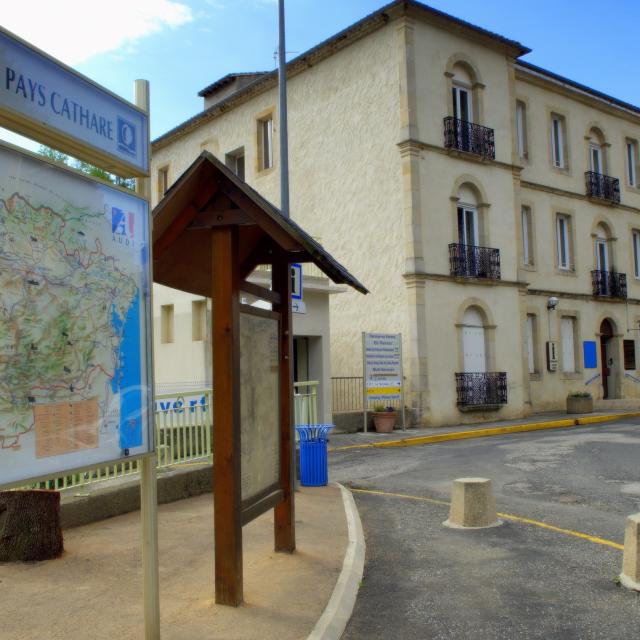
{"points": [[148, 468]]}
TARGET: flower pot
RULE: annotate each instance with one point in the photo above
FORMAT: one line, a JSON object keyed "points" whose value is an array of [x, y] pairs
{"points": [[579, 404], [384, 421]]}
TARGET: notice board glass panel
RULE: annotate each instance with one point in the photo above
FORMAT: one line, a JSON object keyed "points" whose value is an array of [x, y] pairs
{"points": [[75, 321], [259, 402]]}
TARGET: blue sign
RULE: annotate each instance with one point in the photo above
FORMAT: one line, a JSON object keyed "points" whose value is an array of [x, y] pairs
{"points": [[590, 354], [296, 281], [39, 95]]}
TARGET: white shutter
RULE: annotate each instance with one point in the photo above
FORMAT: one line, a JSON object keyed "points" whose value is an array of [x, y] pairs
{"points": [[532, 365], [473, 347], [568, 353]]}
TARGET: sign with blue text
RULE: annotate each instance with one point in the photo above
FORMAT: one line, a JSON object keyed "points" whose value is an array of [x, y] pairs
{"points": [[382, 366], [46, 100], [75, 374]]}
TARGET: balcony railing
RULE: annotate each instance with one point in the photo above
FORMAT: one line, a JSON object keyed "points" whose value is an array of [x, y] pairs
{"points": [[609, 284], [481, 389], [469, 137], [469, 261], [603, 187]]}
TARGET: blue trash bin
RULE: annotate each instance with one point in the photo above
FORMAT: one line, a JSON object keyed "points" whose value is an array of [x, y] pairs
{"points": [[313, 454]]}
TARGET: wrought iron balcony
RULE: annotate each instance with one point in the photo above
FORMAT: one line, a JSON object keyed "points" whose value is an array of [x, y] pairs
{"points": [[469, 261], [469, 137], [603, 187], [609, 284], [481, 389]]}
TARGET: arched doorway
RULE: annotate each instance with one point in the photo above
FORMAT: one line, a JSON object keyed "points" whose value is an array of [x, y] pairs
{"points": [[606, 357]]}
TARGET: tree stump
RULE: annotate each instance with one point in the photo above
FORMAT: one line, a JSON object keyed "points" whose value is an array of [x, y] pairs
{"points": [[30, 526]]}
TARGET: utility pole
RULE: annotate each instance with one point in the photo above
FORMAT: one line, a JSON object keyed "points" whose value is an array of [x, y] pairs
{"points": [[282, 111]]}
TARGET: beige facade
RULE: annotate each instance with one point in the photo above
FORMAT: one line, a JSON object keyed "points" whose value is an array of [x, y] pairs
{"points": [[422, 211], [182, 338]]}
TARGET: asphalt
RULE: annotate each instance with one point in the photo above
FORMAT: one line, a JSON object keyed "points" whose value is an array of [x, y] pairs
{"points": [[520, 580]]}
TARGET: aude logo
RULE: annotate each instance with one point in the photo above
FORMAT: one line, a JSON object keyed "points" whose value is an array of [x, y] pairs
{"points": [[122, 226], [126, 136]]}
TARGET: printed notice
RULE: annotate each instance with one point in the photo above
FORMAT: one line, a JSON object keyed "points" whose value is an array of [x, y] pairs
{"points": [[383, 366], [66, 427]]}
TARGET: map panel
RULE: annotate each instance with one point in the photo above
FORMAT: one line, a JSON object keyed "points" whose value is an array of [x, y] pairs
{"points": [[259, 403], [74, 309]]}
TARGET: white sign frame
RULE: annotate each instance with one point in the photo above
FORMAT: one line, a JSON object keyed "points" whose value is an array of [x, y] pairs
{"points": [[44, 99]]}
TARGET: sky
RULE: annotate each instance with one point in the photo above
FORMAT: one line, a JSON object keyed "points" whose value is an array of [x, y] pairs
{"points": [[181, 46]]}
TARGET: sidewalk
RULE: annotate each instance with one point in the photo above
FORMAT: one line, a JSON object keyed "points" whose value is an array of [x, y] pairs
{"points": [[95, 590], [410, 437]]}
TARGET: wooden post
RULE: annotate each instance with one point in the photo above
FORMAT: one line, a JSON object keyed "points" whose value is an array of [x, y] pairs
{"points": [[284, 517], [226, 429]]}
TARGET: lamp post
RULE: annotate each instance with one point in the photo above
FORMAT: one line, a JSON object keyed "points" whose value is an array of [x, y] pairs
{"points": [[282, 112]]}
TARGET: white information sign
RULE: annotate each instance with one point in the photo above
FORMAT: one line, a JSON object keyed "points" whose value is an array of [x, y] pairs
{"points": [[39, 94], [75, 386], [383, 366]]}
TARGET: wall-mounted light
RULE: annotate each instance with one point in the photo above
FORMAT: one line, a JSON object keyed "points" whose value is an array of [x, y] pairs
{"points": [[552, 303]]}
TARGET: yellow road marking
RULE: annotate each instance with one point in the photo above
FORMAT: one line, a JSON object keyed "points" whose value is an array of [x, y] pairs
{"points": [[506, 516], [491, 431]]}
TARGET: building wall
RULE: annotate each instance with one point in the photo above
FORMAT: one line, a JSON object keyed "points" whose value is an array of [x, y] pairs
{"points": [[371, 178], [184, 364], [548, 190], [345, 176]]}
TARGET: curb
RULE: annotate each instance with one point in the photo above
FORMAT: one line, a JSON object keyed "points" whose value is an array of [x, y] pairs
{"points": [[334, 618], [492, 431]]}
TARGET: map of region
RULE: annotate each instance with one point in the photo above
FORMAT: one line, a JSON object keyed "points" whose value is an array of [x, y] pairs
{"points": [[74, 279]]}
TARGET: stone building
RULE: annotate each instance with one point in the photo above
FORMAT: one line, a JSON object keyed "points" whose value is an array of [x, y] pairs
{"points": [[490, 206]]}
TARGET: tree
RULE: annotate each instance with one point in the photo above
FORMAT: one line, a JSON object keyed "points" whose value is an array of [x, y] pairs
{"points": [[30, 526], [85, 167]]}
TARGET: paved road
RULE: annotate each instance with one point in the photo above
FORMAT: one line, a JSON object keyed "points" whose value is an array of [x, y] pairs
{"points": [[516, 581]]}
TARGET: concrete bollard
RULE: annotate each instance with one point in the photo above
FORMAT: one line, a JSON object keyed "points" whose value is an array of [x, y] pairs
{"points": [[630, 576], [472, 505]]}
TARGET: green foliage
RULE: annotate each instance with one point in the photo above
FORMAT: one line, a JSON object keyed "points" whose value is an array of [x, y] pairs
{"points": [[85, 167], [380, 408], [52, 154]]}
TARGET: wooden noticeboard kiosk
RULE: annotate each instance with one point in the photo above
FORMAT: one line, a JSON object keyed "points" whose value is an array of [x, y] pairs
{"points": [[210, 232]]}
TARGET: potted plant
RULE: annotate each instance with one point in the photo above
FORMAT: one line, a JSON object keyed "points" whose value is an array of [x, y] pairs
{"points": [[384, 418], [579, 402]]}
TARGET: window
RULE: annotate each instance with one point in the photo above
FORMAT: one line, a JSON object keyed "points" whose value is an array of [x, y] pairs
{"points": [[198, 320], [235, 162], [595, 158], [636, 253], [567, 332], [265, 143], [531, 342], [166, 323], [527, 237], [558, 142], [468, 226], [563, 241], [632, 162], [602, 249], [629, 348], [462, 104], [163, 181], [521, 129]]}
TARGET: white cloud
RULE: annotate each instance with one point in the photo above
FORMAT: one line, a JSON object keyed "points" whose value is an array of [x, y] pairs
{"points": [[75, 30]]}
